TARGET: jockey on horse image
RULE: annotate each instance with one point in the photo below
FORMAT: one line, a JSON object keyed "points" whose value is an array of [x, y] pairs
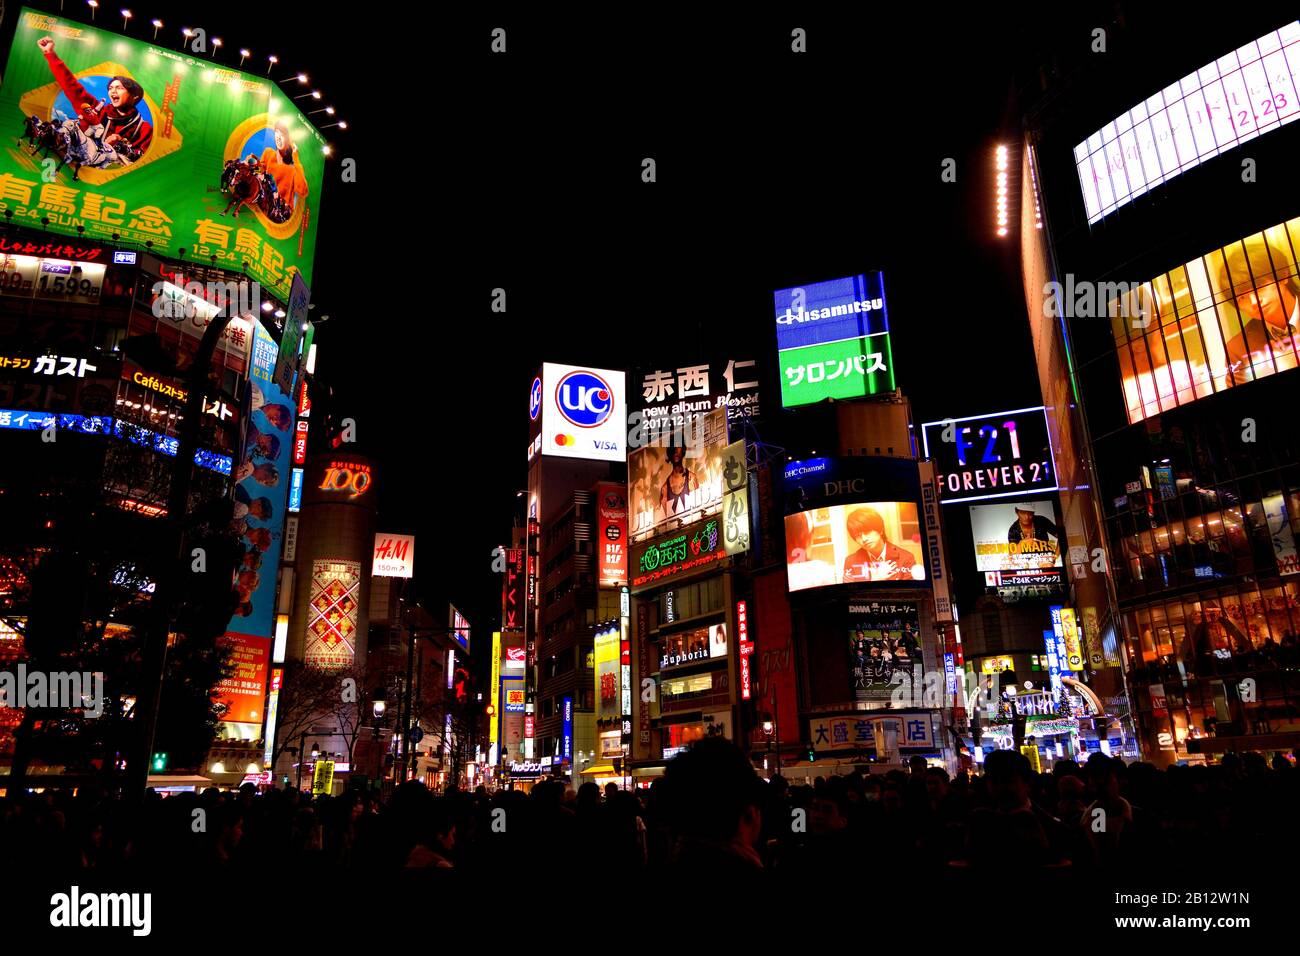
{"points": [[103, 134]]}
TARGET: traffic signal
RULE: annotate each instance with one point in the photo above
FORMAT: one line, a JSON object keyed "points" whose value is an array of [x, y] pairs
{"points": [[159, 763], [491, 710], [812, 755]]}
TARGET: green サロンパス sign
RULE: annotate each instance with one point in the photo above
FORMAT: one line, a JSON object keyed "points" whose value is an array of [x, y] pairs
{"points": [[849, 368]]}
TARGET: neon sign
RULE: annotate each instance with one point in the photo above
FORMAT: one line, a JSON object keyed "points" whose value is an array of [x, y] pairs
{"points": [[347, 476]]}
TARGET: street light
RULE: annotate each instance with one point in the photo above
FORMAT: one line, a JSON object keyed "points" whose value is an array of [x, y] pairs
{"points": [[378, 708], [157, 25], [271, 61], [775, 731], [126, 15]]}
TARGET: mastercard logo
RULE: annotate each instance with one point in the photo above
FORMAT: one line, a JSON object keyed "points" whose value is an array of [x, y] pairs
{"points": [[564, 440]]}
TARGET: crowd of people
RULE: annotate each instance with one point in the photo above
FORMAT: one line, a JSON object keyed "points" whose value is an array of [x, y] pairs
{"points": [[710, 813]]}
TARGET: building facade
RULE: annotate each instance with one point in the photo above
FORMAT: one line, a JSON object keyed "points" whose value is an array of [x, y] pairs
{"points": [[1169, 267]]}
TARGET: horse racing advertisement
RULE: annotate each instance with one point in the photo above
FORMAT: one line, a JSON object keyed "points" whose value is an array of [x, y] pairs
{"points": [[140, 144]]}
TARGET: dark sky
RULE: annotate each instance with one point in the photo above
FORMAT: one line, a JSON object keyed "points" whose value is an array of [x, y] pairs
{"points": [[522, 171]]}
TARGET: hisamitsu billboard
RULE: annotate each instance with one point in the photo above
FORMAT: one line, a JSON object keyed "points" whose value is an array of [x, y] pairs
{"points": [[832, 340]]}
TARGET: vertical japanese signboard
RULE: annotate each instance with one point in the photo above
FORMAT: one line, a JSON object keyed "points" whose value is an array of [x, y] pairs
{"points": [[934, 545], [512, 592], [611, 508], [494, 690], [567, 741]]}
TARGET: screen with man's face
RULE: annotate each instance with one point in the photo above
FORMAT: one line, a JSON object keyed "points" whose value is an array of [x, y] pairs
{"points": [[1225, 318], [862, 543], [1016, 536]]}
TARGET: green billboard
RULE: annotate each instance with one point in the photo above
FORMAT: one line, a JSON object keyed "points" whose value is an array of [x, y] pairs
{"points": [[151, 145], [849, 368]]}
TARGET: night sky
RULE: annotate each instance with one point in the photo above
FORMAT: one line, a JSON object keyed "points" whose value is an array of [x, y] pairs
{"points": [[523, 171], [773, 170]]}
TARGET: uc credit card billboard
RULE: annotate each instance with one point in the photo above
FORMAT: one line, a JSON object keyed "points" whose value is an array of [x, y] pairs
{"points": [[154, 130], [832, 340], [583, 412]]}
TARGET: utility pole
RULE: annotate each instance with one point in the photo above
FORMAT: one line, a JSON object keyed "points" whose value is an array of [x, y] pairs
{"points": [[776, 726]]}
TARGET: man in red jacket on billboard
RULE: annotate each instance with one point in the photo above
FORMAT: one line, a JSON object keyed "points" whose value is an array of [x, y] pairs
{"points": [[104, 134]]}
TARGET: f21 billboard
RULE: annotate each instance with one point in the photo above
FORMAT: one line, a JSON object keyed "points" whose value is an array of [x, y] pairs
{"points": [[578, 412], [1000, 455], [162, 144]]}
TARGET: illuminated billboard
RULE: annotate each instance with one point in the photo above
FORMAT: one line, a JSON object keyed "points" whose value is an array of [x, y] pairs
{"points": [[832, 340], [669, 395], [677, 554], [240, 693], [1221, 320], [260, 487], [680, 481], [494, 683], [512, 592], [26, 276], [852, 520], [168, 148], [611, 510], [459, 627], [1016, 537], [1001, 455], [332, 614], [884, 647], [818, 482], [583, 412], [848, 544], [394, 556], [607, 674], [1242, 95], [697, 644]]}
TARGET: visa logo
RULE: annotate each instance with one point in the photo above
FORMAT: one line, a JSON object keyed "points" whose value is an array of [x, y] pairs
{"points": [[605, 445]]}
